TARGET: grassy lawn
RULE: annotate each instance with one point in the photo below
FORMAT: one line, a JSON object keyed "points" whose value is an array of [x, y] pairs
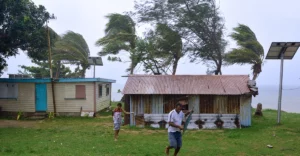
{"points": [[94, 136]]}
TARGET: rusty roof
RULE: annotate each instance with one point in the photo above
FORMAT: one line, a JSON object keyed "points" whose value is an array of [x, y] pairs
{"points": [[187, 84]]}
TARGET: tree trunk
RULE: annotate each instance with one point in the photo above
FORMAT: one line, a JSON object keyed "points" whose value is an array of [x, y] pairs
{"points": [[57, 70], [256, 70], [131, 68], [218, 71], [255, 75], [175, 64]]}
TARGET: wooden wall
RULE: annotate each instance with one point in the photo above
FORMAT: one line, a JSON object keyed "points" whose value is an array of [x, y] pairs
{"points": [[163, 104], [65, 97], [205, 104], [103, 101], [24, 102]]}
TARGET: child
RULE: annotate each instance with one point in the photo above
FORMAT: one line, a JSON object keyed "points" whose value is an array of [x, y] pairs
{"points": [[117, 116]]}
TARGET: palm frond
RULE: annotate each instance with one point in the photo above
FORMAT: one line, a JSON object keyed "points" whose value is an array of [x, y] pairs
{"points": [[241, 56]]}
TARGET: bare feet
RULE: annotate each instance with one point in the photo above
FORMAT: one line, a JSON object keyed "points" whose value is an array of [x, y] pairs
{"points": [[167, 150]]}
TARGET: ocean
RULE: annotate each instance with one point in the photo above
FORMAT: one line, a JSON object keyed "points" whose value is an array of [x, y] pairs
{"points": [[268, 97]]}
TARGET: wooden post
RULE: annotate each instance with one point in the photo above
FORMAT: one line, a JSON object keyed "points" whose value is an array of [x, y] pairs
{"points": [[51, 76]]}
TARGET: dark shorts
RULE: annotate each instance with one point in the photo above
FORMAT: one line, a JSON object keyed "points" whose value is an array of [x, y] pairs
{"points": [[175, 139]]}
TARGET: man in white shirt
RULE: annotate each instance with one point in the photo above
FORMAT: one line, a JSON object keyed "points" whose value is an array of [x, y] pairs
{"points": [[175, 118]]}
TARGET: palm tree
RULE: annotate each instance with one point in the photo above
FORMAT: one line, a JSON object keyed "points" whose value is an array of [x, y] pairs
{"points": [[120, 35], [249, 50], [73, 48]]}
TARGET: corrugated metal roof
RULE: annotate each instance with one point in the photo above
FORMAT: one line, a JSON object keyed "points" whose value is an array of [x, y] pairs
{"points": [[187, 84]]}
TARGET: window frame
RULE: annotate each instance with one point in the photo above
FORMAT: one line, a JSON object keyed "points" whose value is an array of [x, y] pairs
{"points": [[100, 90], [107, 90], [11, 90]]}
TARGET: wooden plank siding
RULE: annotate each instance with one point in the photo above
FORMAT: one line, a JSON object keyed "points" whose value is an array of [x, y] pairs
{"points": [[206, 104], [233, 106], [136, 102], [170, 101], [68, 90], [103, 101], [245, 110], [25, 101], [219, 104], [127, 109], [147, 99]]}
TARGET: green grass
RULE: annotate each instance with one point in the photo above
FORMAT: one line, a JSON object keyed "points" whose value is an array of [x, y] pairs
{"points": [[94, 136]]}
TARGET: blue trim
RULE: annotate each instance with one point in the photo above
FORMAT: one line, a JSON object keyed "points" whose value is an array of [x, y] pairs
{"points": [[24, 80], [86, 80], [31, 80]]}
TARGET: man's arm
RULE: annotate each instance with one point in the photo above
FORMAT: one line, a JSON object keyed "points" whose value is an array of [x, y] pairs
{"points": [[176, 126]]}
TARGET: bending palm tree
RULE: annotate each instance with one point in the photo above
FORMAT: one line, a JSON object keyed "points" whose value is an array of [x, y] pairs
{"points": [[249, 50], [119, 35], [73, 48]]}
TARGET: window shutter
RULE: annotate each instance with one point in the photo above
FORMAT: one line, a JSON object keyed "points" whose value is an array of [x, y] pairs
{"points": [[80, 92]]}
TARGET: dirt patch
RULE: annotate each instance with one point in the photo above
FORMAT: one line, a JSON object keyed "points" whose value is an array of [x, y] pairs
{"points": [[14, 123]]}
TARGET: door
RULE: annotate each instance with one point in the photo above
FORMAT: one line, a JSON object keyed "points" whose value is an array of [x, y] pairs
{"points": [[40, 97]]}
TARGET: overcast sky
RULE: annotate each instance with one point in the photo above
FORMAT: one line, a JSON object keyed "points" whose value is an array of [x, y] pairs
{"points": [[271, 20]]}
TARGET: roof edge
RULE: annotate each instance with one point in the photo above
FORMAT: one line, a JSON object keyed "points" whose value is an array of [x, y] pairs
{"points": [[141, 75], [47, 80]]}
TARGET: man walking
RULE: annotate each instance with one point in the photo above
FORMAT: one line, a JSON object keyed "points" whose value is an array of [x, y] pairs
{"points": [[175, 118]]}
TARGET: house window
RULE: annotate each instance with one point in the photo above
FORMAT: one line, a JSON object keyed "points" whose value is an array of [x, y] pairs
{"points": [[80, 92], [107, 90], [8, 90], [100, 90]]}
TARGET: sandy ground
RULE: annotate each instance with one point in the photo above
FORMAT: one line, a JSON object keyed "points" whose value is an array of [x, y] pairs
{"points": [[14, 123]]}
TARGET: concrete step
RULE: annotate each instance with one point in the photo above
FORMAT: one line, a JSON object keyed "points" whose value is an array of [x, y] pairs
{"points": [[37, 116]]}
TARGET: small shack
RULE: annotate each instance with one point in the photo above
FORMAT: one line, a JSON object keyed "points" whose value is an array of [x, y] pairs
{"points": [[219, 101], [72, 96]]}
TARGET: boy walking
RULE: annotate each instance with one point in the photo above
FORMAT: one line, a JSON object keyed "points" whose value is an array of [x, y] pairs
{"points": [[117, 117]]}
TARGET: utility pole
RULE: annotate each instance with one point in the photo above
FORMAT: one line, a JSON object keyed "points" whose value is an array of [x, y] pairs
{"points": [[50, 66]]}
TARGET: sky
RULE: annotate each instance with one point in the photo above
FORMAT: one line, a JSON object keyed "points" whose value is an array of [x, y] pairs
{"points": [[271, 21]]}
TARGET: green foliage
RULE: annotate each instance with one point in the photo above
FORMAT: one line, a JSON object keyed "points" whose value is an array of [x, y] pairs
{"points": [[20, 113], [163, 49], [51, 115], [73, 48], [20, 21], [39, 51], [119, 35], [197, 22], [42, 70], [249, 50]]}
